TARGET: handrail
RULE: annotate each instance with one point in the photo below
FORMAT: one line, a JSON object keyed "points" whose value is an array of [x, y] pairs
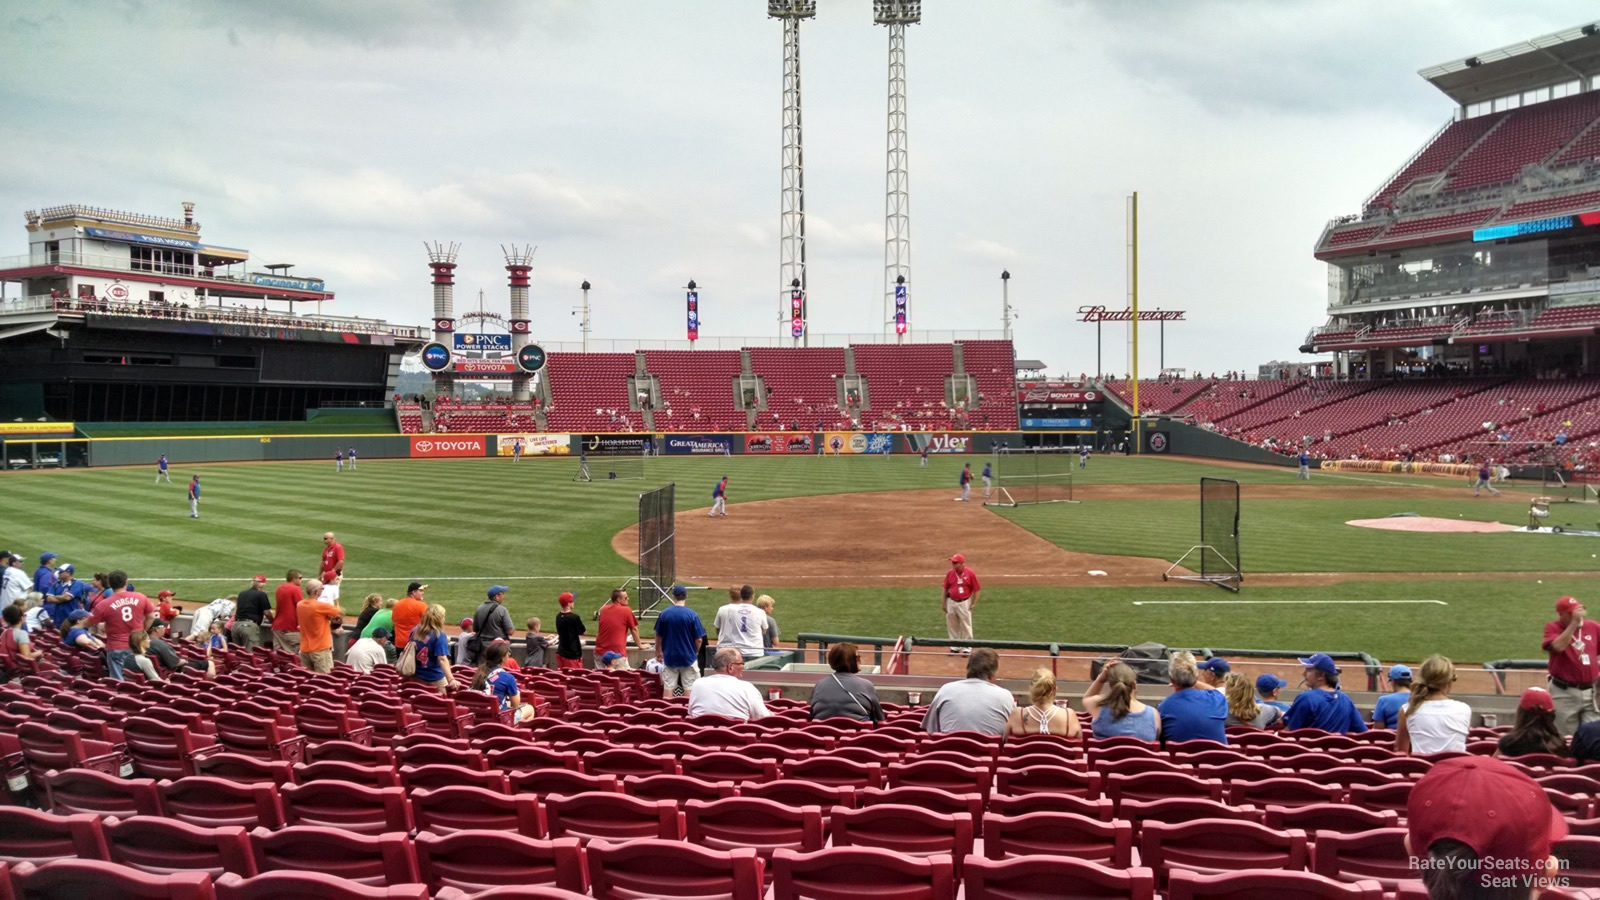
{"points": [[126, 264], [225, 315]]}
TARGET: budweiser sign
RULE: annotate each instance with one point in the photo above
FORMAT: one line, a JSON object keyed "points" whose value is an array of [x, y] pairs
{"points": [[1101, 314], [1039, 394]]}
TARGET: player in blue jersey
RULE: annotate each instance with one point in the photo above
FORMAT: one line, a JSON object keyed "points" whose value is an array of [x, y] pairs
{"points": [[1083, 456], [719, 498], [925, 455], [338, 460], [161, 470], [966, 484], [988, 480], [194, 498], [516, 451], [1305, 467], [352, 457]]}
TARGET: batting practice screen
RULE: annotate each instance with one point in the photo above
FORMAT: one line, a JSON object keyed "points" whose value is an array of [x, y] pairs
{"points": [[1219, 528], [610, 467], [1035, 475], [658, 557]]}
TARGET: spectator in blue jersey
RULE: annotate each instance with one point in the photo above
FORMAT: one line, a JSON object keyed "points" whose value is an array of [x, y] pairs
{"points": [[433, 651], [1322, 705], [1212, 672], [1190, 712], [74, 634], [679, 636], [1386, 714], [1267, 687], [44, 577], [497, 681], [67, 595]]}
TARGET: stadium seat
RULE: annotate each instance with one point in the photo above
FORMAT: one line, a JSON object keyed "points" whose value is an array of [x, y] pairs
{"points": [[1059, 834], [834, 771], [243, 769], [532, 757], [212, 802], [850, 873], [1377, 855], [1186, 885], [1284, 792], [948, 776], [1101, 809], [104, 881], [440, 753], [763, 825], [1342, 818], [45, 748], [1580, 861], [1160, 785], [625, 761], [473, 861], [904, 829], [801, 793], [613, 817], [390, 720], [441, 715], [561, 781], [161, 846], [1210, 846], [733, 767], [1040, 877], [345, 751], [1048, 780], [930, 799], [369, 859], [243, 732], [353, 807], [439, 775], [297, 885], [35, 836], [657, 868], [511, 892], [677, 788], [355, 773], [88, 791], [465, 808], [1387, 796], [321, 723]]}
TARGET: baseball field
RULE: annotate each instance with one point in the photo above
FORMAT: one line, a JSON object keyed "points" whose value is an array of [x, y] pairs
{"points": [[852, 545]]}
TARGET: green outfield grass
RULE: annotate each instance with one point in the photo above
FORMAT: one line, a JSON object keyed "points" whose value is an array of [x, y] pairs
{"points": [[463, 524]]}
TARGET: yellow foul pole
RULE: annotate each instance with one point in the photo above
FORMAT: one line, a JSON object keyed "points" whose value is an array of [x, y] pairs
{"points": [[1134, 282]]}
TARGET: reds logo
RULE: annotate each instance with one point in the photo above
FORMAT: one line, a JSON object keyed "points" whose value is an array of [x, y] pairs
{"points": [[1158, 442], [444, 325]]}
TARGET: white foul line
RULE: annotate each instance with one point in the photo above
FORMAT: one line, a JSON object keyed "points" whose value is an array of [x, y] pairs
{"points": [[1272, 602]]}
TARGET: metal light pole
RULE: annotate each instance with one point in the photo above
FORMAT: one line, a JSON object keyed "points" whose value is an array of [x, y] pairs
{"points": [[896, 14], [583, 323], [1005, 304], [792, 179]]}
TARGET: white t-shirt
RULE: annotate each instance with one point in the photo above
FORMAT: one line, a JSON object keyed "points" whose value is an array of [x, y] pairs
{"points": [[364, 654], [14, 585], [330, 594], [1439, 725], [726, 695], [739, 625]]}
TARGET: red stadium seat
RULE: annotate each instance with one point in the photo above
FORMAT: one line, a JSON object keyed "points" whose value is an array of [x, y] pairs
{"points": [[1342, 818], [1284, 792], [948, 776], [355, 773], [211, 802], [1210, 846], [733, 767], [439, 752], [930, 799], [35, 836], [345, 751], [369, 859], [1389, 796], [1249, 770], [1022, 804], [161, 846], [1160, 785], [322, 723], [1378, 855], [801, 793], [654, 868], [243, 769], [439, 775], [243, 732], [625, 761], [1142, 765], [832, 770], [353, 807], [45, 748], [1580, 861], [850, 873], [1059, 834], [1048, 780], [463, 808], [1264, 884], [561, 781], [1040, 877], [105, 881], [388, 719], [613, 817], [533, 757], [441, 715], [904, 829], [473, 861], [297, 885], [762, 825], [88, 791], [677, 788]]}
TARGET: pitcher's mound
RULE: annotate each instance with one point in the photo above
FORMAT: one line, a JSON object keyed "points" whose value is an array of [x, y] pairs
{"points": [[892, 538], [1433, 525]]}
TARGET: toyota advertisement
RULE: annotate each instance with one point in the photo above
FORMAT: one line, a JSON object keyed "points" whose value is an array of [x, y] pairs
{"points": [[436, 446], [781, 442]]}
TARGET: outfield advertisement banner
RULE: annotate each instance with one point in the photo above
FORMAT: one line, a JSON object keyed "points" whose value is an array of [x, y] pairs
{"points": [[534, 444], [1032, 424], [58, 428], [857, 442], [779, 442], [698, 444], [939, 442], [1450, 470], [442, 445], [611, 443]]}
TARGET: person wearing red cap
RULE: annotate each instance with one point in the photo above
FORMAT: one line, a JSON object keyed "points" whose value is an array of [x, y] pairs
{"points": [[1477, 827], [960, 599], [252, 608], [1573, 643], [164, 607], [569, 635], [1535, 731]]}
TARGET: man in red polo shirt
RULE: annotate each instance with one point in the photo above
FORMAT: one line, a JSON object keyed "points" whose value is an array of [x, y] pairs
{"points": [[332, 556], [286, 618], [960, 599], [617, 624], [122, 613], [1573, 642]]}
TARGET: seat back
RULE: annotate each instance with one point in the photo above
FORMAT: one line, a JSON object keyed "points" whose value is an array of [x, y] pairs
{"points": [[353, 807], [528, 757], [1580, 858], [339, 770], [726, 766], [370, 859], [904, 829], [475, 861], [1379, 855], [212, 802], [625, 761], [161, 846], [36, 836], [1040, 876], [835, 771], [1159, 785], [653, 868], [439, 775], [763, 825], [1341, 818], [561, 781], [1047, 779], [467, 808], [850, 873], [1284, 792], [793, 792], [86, 791], [974, 778], [106, 881], [1174, 810], [1212, 845], [350, 752], [1263, 884], [615, 817], [677, 788], [243, 769], [931, 799], [295, 885], [1059, 834]]}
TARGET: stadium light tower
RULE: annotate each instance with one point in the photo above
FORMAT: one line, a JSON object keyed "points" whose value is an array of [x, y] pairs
{"points": [[519, 262], [442, 260], [897, 14], [792, 180]]}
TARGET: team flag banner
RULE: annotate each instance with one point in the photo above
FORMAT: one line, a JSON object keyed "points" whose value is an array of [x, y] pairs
{"points": [[534, 444]]}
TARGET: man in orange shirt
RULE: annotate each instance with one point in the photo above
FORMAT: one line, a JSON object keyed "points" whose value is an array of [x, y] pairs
{"points": [[316, 633], [408, 612]]}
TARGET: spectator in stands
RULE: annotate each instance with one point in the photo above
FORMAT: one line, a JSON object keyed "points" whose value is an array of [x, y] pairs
{"points": [[249, 614], [66, 594], [1386, 712], [14, 583], [1535, 730], [1243, 708], [463, 646], [368, 653], [44, 577], [1191, 712], [569, 635], [138, 658], [1212, 672], [1474, 817], [680, 636], [1322, 705], [14, 641], [168, 660], [1573, 642], [316, 629], [1267, 687], [369, 608], [122, 613], [1586, 744], [490, 622], [285, 620], [383, 618], [1432, 722], [497, 681], [845, 694], [77, 634], [535, 645], [975, 703], [1042, 715], [617, 625], [724, 693], [739, 624], [1113, 703], [433, 651], [769, 631], [408, 613]]}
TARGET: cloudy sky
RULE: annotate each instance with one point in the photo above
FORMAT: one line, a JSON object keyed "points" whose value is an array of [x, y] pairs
{"points": [[636, 143]]}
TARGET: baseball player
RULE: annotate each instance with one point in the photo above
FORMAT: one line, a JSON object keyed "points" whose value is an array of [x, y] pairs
{"points": [[1483, 480], [583, 466], [1305, 467], [338, 460], [925, 456], [719, 498], [352, 458], [966, 484], [988, 476], [161, 470], [194, 497], [516, 451], [1083, 456]]}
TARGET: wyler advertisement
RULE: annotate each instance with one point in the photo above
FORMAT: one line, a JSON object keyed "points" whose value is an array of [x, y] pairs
{"points": [[779, 442], [939, 442], [698, 444]]}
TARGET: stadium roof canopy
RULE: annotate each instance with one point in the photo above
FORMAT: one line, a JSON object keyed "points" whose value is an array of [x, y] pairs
{"points": [[1528, 65]]}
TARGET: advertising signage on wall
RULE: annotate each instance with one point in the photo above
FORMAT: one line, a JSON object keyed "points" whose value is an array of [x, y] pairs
{"points": [[779, 442], [128, 237], [939, 442], [533, 444], [698, 444], [1030, 424], [468, 341], [1058, 395], [486, 366], [1518, 229], [443, 445], [612, 443]]}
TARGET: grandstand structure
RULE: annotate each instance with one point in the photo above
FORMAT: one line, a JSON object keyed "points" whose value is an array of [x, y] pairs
{"points": [[120, 317], [1480, 255]]}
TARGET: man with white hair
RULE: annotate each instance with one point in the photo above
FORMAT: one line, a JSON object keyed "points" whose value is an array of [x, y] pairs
{"points": [[724, 693], [316, 633]]}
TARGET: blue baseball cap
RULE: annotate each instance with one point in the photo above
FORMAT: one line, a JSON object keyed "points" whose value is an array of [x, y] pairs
{"points": [[607, 657], [497, 589], [680, 591], [1398, 671], [1268, 683], [1321, 662], [47, 556], [1217, 665]]}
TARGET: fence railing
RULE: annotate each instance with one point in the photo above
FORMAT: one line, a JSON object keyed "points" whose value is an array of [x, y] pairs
{"points": [[219, 314], [154, 267]]}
